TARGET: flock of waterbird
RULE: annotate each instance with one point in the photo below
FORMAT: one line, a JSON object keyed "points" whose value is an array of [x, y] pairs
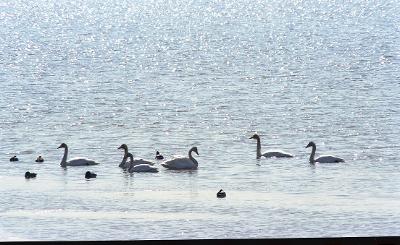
{"points": [[132, 165]]}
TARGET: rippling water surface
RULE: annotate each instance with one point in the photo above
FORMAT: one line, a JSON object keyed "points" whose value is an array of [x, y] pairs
{"points": [[167, 75]]}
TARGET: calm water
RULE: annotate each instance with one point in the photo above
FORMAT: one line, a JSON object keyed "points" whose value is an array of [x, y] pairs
{"points": [[167, 75]]}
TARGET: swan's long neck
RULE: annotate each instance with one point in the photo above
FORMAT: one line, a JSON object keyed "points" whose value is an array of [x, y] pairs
{"points": [[192, 158], [258, 148], [125, 158], [314, 149], [64, 159]]}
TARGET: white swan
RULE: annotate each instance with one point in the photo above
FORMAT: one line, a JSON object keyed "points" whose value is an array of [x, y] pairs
{"points": [[269, 153], [75, 161], [183, 162], [322, 159], [139, 167], [123, 164]]}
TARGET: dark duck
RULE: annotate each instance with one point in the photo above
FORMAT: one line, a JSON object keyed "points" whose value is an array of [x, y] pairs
{"points": [[39, 159], [159, 156], [14, 159], [90, 175], [29, 175], [221, 194]]}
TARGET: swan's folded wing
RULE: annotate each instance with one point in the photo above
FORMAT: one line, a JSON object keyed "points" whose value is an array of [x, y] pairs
{"points": [[277, 153], [142, 161], [328, 159], [179, 163], [144, 168], [77, 161]]}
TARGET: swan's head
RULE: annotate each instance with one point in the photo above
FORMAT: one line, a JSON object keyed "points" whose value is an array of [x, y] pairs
{"points": [[195, 150], [63, 145], [157, 153], [130, 156], [310, 144], [123, 146], [255, 136]]}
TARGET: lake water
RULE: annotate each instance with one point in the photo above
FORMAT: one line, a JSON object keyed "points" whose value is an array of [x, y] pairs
{"points": [[168, 75]]}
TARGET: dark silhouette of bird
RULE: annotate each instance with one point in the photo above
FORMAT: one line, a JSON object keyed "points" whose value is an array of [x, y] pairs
{"points": [[221, 194], [159, 156], [90, 175], [39, 159], [14, 159], [29, 175]]}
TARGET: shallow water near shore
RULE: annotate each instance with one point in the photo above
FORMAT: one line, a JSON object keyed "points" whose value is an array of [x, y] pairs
{"points": [[169, 75]]}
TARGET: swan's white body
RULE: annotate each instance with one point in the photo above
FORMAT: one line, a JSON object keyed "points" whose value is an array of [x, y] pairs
{"points": [[180, 162], [75, 161], [140, 167], [328, 159], [322, 159], [268, 154], [143, 168]]}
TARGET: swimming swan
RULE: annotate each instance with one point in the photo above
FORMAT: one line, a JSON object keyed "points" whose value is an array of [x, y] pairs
{"points": [[321, 159], [123, 164], [75, 161], [183, 162], [269, 153], [139, 167]]}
